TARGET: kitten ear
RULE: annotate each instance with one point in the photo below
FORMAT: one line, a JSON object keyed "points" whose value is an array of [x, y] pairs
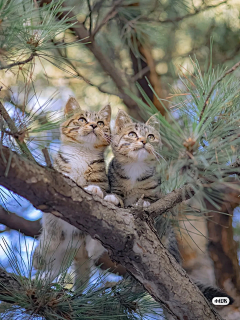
{"points": [[122, 120], [71, 107], [106, 112], [154, 122]]}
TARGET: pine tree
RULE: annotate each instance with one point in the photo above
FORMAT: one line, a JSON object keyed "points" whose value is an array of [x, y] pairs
{"points": [[198, 162]]}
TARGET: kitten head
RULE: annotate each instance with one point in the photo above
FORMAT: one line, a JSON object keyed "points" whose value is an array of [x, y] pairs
{"points": [[88, 128], [136, 141]]}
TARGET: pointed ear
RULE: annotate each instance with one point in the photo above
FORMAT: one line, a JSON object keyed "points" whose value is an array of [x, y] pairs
{"points": [[122, 120], [106, 112], [154, 122], [71, 107]]}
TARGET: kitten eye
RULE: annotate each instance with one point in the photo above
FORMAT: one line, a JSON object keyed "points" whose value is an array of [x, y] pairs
{"points": [[151, 137], [132, 134], [82, 120], [100, 123]]}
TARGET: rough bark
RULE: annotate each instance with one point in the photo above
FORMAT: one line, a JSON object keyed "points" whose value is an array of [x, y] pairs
{"points": [[129, 239]]}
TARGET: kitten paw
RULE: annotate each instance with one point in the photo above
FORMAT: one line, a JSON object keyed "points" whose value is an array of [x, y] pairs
{"points": [[112, 199], [146, 204], [142, 203], [95, 190]]}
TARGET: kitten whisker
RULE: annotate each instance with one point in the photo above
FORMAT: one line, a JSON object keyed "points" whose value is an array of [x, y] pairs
{"points": [[157, 158], [160, 155]]}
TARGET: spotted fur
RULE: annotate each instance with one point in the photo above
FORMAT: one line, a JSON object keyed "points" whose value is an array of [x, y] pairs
{"points": [[84, 138]]}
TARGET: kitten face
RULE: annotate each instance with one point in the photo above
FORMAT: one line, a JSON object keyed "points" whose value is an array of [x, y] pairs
{"points": [[86, 127], [136, 141]]}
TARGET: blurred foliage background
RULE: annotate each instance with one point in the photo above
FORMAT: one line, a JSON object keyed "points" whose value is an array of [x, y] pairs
{"points": [[102, 52]]}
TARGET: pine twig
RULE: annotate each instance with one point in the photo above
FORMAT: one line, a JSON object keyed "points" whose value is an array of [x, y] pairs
{"points": [[90, 16], [214, 85], [9, 66], [140, 74], [84, 78], [111, 14], [169, 201], [22, 145], [178, 19], [47, 157]]}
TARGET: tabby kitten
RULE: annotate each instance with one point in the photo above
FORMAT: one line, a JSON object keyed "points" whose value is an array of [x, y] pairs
{"points": [[84, 137], [133, 176], [132, 173]]}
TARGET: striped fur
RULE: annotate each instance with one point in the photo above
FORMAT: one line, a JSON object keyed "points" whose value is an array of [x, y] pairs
{"points": [[132, 172], [84, 138]]}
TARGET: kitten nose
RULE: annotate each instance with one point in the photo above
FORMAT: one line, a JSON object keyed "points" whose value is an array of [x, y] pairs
{"points": [[93, 125], [143, 140]]}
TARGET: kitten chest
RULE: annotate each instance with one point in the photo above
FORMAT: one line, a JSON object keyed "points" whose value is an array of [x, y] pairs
{"points": [[79, 161], [79, 166]]}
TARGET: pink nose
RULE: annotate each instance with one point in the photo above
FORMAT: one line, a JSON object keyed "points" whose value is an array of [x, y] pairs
{"points": [[93, 125], [143, 140]]}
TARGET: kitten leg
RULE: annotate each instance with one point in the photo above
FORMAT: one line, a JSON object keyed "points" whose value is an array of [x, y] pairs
{"points": [[82, 268], [94, 248], [50, 254], [92, 189], [49, 260]]}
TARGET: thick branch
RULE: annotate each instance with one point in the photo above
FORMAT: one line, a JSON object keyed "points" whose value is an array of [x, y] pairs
{"points": [[130, 241], [13, 221]]}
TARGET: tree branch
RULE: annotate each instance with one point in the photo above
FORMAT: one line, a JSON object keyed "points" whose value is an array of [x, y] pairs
{"points": [[170, 201], [22, 145], [221, 246], [47, 157], [13, 221], [111, 14], [178, 19], [9, 66], [130, 241], [82, 33], [82, 77]]}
